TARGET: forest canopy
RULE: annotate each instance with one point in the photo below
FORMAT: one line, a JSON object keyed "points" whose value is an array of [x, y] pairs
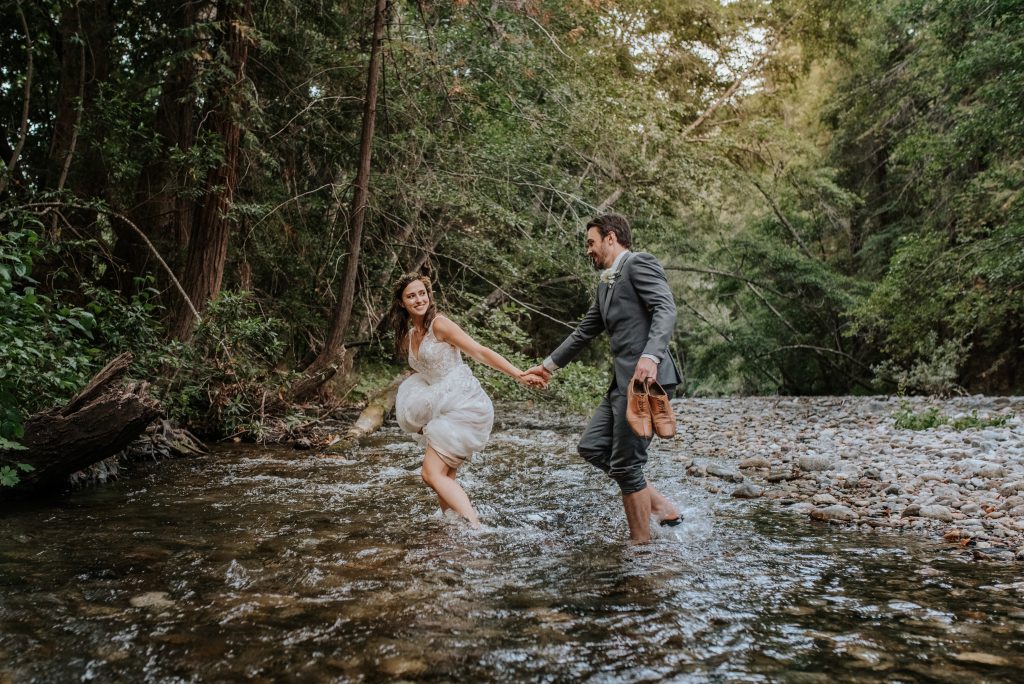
{"points": [[833, 187]]}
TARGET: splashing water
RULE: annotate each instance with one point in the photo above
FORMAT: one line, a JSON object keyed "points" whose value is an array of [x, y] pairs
{"points": [[257, 563]]}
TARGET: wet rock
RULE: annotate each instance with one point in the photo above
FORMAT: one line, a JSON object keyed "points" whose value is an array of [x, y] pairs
{"points": [[724, 472], [748, 491], [981, 658], [911, 511], [154, 600], [993, 554], [838, 513], [402, 667]]}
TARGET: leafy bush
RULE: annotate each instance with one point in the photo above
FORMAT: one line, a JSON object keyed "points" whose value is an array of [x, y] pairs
{"points": [[578, 387], [221, 381], [47, 346], [907, 419]]}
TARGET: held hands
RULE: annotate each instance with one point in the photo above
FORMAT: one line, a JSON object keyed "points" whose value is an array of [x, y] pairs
{"points": [[541, 372], [531, 379]]}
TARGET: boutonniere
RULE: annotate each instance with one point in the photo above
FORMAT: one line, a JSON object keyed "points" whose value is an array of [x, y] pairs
{"points": [[608, 276]]}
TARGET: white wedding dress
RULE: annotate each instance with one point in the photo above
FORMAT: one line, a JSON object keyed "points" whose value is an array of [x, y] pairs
{"points": [[442, 404]]}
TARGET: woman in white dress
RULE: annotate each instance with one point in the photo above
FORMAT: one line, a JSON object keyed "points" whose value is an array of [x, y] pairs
{"points": [[442, 404]]}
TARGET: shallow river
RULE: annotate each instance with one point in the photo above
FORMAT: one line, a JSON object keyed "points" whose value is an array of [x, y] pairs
{"points": [[257, 564]]}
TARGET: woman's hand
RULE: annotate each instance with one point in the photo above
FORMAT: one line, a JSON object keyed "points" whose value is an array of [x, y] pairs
{"points": [[531, 380]]}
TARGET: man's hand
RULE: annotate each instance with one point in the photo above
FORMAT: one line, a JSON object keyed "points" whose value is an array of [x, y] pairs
{"points": [[646, 369], [532, 380], [540, 370]]}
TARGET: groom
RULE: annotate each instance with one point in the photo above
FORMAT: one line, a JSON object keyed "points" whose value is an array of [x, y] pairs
{"points": [[634, 304]]}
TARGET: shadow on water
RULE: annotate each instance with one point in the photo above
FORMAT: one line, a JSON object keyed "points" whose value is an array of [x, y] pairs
{"points": [[267, 564]]}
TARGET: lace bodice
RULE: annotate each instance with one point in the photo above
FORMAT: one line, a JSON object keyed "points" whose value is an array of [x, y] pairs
{"points": [[435, 358]]}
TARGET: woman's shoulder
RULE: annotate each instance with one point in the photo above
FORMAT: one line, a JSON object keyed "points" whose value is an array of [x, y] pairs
{"points": [[442, 324]]}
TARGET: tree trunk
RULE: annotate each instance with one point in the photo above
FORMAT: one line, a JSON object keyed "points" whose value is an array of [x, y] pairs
{"points": [[208, 247], [378, 406], [97, 423], [160, 209], [85, 35], [325, 365]]}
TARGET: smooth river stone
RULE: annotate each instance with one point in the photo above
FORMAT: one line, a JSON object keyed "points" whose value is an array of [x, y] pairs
{"points": [[981, 658], [724, 473], [748, 491], [151, 599], [811, 462], [838, 513], [942, 513], [755, 462]]}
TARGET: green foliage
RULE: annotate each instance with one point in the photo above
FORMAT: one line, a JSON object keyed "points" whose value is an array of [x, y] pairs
{"points": [[9, 474], [221, 381], [944, 120], [840, 212], [47, 345], [907, 419], [577, 387]]}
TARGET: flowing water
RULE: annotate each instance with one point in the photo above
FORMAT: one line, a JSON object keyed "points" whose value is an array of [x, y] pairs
{"points": [[267, 564]]}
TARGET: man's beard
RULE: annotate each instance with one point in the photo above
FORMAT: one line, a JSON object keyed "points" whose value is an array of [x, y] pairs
{"points": [[596, 264]]}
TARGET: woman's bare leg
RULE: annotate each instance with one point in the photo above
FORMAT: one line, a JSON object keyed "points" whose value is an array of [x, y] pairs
{"points": [[441, 502], [441, 478]]}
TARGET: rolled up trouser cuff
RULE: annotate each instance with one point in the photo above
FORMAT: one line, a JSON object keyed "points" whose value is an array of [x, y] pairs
{"points": [[630, 481], [595, 458]]}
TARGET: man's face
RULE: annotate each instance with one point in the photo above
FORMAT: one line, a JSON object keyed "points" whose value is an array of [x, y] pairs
{"points": [[600, 249]]}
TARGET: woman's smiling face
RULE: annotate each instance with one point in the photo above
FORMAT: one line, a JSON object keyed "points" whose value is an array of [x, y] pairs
{"points": [[415, 298]]}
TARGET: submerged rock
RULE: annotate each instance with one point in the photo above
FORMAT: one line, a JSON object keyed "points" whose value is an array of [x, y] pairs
{"points": [[156, 600], [748, 491], [837, 513]]}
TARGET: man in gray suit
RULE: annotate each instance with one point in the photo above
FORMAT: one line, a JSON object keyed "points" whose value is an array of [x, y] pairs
{"points": [[634, 304]]}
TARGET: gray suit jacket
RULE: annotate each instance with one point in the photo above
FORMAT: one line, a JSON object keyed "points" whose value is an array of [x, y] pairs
{"points": [[638, 312]]}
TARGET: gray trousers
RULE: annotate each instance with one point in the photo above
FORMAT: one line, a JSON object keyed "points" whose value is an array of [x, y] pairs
{"points": [[610, 445]]}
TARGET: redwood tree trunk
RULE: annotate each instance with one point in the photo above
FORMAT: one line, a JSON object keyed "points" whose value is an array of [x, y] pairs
{"points": [[208, 247], [160, 208], [325, 364], [84, 37]]}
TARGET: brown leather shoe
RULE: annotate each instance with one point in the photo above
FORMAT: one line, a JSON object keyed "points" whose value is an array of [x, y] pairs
{"points": [[638, 410], [661, 411]]}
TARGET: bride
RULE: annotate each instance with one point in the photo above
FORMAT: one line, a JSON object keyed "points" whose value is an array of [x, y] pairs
{"points": [[442, 404]]}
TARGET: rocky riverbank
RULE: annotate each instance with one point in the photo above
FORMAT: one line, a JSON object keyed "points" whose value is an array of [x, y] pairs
{"points": [[844, 460]]}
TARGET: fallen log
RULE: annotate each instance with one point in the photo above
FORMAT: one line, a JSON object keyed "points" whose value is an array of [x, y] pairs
{"points": [[95, 424], [378, 406]]}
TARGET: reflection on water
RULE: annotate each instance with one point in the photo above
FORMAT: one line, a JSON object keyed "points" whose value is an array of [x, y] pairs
{"points": [[268, 564]]}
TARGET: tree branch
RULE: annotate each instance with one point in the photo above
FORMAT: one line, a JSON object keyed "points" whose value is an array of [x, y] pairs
{"points": [[23, 130]]}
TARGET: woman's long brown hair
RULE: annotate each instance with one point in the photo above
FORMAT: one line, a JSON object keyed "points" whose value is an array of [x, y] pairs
{"points": [[401, 317]]}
